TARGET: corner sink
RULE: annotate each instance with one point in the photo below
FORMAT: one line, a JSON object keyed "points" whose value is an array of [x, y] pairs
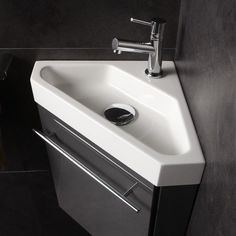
{"points": [[160, 144], [158, 125]]}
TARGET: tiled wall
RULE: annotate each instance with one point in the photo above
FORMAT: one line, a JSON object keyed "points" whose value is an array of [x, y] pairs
{"points": [[59, 29], [206, 62], [54, 29], [81, 24]]}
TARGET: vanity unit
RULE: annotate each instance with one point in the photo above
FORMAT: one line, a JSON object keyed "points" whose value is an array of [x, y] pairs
{"points": [[138, 179]]}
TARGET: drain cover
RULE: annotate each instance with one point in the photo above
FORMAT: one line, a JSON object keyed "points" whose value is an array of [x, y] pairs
{"points": [[120, 114]]}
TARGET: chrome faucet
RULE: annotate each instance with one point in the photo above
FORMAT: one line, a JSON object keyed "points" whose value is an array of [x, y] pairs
{"points": [[153, 48]]}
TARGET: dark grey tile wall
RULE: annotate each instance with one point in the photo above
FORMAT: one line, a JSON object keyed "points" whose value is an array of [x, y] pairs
{"points": [[206, 62], [81, 24], [55, 29], [49, 29]]}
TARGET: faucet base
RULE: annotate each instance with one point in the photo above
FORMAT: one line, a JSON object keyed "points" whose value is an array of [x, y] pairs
{"points": [[153, 75]]}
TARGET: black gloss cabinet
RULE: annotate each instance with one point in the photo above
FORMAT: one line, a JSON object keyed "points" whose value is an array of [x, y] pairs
{"points": [[106, 197]]}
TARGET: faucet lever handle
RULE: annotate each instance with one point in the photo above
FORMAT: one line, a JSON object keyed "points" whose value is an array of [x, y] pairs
{"points": [[152, 24], [141, 22], [157, 26]]}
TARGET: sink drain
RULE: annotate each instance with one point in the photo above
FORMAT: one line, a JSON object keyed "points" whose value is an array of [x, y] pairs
{"points": [[120, 114]]}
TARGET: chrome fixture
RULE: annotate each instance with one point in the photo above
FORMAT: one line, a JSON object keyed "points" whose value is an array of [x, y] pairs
{"points": [[153, 48]]}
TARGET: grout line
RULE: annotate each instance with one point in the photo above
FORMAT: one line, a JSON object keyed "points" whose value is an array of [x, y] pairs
{"points": [[22, 171], [53, 48], [67, 48]]}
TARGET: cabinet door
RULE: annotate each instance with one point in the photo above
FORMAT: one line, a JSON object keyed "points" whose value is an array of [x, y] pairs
{"points": [[90, 202]]}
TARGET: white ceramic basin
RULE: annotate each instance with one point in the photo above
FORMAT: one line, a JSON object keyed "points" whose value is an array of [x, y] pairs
{"points": [[160, 144]]}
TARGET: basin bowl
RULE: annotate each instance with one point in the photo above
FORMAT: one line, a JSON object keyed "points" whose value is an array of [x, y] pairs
{"points": [[158, 124]]}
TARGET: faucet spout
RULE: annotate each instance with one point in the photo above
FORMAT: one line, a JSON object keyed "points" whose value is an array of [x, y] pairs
{"points": [[132, 46], [117, 51]]}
